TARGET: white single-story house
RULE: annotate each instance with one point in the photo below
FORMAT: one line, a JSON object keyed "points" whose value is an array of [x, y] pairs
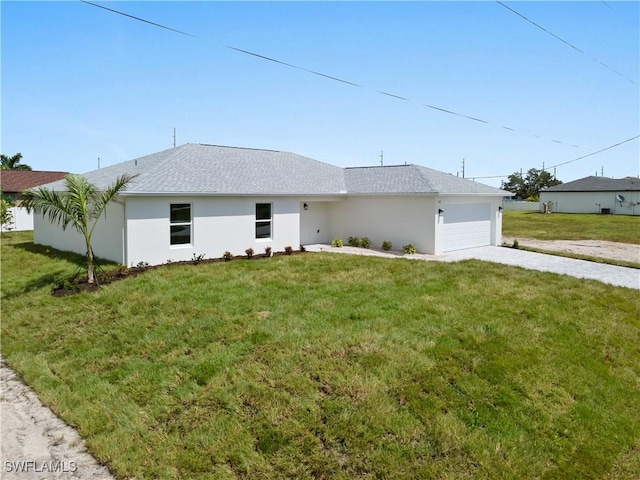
{"points": [[595, 195], [13, 183], [207, 199]]}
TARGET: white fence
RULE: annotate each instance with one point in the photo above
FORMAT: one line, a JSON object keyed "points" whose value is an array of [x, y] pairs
{"points": [[21, 220], [521, 205]]}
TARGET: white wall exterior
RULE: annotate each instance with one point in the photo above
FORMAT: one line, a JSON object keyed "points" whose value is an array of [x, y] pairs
{"points": [[218, 224], [592, 202], [314, 222], [228, 223], [401, 220], [107, 240]]}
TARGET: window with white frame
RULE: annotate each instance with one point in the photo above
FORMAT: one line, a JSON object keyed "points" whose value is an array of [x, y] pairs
{"points": [[263, 220], [180, 220]]}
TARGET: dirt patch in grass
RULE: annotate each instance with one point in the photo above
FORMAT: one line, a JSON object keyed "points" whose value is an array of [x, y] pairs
{"points": [[593, 248]]}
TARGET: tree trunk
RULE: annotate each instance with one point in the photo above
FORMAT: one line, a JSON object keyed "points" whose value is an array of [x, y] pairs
{"points": [[90, 275]]}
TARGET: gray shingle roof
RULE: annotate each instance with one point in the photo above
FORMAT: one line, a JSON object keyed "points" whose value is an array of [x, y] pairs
{"points": [[217, 170], [598, 184], [403, 179]]}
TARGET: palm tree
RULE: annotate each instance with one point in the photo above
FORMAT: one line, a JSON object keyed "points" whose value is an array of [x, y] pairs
{"points": [[13, 163], [80, 205]]}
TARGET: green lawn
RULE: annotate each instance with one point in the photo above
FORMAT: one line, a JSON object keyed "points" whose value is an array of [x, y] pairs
{"points": [[333, 366], [566, 226]]}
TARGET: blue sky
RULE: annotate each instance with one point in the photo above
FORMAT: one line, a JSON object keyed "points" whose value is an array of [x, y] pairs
{"points": [[79, 82]]}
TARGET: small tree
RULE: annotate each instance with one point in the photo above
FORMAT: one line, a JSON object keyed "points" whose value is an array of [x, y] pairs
{"points": [[530, 185], [80, 205]]}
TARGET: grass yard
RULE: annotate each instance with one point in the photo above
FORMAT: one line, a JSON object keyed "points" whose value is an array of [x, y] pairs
{"points": [[567, 226], [321, 366]]}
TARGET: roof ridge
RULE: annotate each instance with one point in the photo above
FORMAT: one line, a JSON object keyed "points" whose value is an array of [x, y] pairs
{"points": [[424, 177], [238, 148], [380, 166]]}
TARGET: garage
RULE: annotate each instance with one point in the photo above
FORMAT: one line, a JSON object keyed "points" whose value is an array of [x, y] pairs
{"points": [[466, 226]]}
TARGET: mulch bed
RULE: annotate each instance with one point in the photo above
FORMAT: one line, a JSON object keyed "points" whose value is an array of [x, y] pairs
{"points": [[79, 283]]}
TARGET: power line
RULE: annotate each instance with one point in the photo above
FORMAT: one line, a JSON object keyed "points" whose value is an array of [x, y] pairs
{"points": [[564, 41], [292, 66], [137, 18], [599, 151], [330, 77], [575, 159]]}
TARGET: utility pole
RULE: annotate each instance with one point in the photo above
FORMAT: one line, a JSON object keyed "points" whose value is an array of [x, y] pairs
{"points": [[174, 137], [98, 163], [381, 158], [463, 167], [602, 171]]}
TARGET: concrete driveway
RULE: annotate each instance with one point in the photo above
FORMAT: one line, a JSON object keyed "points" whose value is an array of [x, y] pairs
{"points": [[611, 274]]}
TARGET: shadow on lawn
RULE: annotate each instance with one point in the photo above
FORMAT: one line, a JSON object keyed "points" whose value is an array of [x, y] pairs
{"points": [[50, 252], [61, 276]]}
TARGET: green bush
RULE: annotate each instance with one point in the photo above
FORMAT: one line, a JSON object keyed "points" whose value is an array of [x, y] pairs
{"points": [[409, 249], [288, 249], [386, 245], [267, 251], [353, 241], [249, 252], [337, 242], [516, 244], [227, 256], [364, 242]]}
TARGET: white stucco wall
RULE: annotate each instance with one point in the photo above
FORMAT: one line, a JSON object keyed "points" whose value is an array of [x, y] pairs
{"points": [[399, 219], [592, 202], [107, 239], [314, 222], [218, 224]]}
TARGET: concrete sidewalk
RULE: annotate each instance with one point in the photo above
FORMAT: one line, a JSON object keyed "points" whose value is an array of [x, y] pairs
{"points": [[611, 274]]}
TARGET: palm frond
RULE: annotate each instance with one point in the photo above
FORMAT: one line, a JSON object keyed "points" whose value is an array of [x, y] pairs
{"points": [[102, 199]]}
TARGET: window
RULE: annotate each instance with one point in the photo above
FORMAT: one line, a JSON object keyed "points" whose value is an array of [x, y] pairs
{"points": [[263, 220], [180, 219]]}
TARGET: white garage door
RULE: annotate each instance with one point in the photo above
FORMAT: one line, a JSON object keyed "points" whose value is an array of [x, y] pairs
{"points": [[466, 226]]}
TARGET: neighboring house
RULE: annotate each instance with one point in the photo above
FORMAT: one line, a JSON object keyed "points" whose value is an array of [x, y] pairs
{"points": [[14, 182], [595, 195], [206, 199]]}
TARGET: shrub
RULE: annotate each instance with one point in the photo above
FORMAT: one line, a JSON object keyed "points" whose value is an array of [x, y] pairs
{"points": [[302, 249], [409, 249], [142, 265], [364, 242], [196, 259], [337, 242], [227, 256], [386, 245], [353, 241], [249, 252], [288, 249], [515, 243], [267, 251]]}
